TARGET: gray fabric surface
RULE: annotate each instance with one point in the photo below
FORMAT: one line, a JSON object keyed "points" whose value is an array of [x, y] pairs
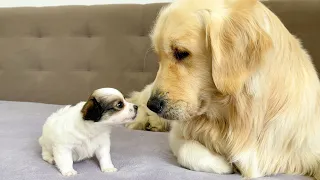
{"points": [[138, 155]]}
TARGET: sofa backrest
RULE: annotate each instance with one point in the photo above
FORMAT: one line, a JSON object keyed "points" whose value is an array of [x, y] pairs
{"points": [[61, 54]]}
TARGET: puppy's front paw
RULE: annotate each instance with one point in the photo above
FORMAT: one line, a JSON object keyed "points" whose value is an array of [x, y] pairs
{"points": [[108, 170], [49, 160], [69, 173]]}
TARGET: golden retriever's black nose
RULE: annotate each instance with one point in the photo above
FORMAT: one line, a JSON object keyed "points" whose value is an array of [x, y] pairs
{"points": [[156, 105]]}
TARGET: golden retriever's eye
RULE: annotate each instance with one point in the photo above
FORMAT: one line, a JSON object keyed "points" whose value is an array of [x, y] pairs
{"points": [[180, 55]]}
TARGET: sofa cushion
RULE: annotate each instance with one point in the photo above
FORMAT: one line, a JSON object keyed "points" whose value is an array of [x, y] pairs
{"points": [[138, 155], [60, 54]]}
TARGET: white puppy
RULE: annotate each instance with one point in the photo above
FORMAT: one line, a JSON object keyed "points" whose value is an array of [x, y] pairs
{"points": [[74, 133]]}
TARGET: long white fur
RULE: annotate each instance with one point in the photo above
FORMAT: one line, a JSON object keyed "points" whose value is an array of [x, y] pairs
{"points": [[67, 137]]}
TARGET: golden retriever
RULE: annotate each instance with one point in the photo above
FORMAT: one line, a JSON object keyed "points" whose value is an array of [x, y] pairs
{"points": [[242, 88]]}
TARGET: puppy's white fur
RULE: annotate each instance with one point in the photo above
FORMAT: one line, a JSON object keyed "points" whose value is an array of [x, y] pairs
{"points": [[67, 137]]}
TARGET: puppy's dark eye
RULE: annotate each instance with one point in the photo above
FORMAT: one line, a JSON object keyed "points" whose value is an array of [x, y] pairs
{"points": [[180, 55], [120, 105]]}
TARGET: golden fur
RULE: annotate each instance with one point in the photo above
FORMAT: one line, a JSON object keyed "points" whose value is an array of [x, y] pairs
{"points": [[247, 90], [146, 119]]}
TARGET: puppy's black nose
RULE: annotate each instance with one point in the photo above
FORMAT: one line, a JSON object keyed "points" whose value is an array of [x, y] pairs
{"points": [[156, 105], [135, 107]]}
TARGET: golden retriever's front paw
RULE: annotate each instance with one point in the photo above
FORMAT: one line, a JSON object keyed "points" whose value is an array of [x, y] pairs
{"points": [[149, 127], [149, 123], [157, 124], [136, 126]]}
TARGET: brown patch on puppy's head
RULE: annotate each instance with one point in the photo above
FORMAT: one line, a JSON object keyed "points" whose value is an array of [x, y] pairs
{"points": [[92, 110]]}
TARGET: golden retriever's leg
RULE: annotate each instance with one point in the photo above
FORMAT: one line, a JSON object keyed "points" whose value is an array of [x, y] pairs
{"points": [[157, 124], [146, 119], [317, 175], [247, 163], [141, 121], [148, 122], [194, 156]]}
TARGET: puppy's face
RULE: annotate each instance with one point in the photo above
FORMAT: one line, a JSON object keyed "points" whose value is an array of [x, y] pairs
{"points": [[108, 106], [205, 51]]}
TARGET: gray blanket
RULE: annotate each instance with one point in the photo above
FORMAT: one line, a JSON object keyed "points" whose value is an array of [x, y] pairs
{"points": [[138, 155]]}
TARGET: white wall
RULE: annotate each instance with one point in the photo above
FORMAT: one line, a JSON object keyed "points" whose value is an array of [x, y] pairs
{"points": [[39, 3]]}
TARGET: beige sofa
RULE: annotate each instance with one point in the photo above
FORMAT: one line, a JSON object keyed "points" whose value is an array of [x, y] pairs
{"points": [[58, 55]]}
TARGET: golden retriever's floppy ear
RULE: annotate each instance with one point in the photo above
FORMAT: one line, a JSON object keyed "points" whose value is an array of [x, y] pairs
{"points": [[237, 44]]}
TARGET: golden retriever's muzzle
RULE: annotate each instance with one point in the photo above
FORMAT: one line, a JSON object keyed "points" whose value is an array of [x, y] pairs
{"points": [[160, 104], [156, 104]]}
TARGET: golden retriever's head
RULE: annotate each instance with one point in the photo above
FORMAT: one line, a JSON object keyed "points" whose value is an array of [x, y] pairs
{"points": [[206, 48]]}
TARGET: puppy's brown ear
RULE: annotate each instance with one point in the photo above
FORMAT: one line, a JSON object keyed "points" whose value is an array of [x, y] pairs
{"points": [[92, 110], [238, 45]]}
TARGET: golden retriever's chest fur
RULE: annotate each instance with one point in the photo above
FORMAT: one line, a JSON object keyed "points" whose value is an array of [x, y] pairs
{"points": [[201, 129], [269, 139]]}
